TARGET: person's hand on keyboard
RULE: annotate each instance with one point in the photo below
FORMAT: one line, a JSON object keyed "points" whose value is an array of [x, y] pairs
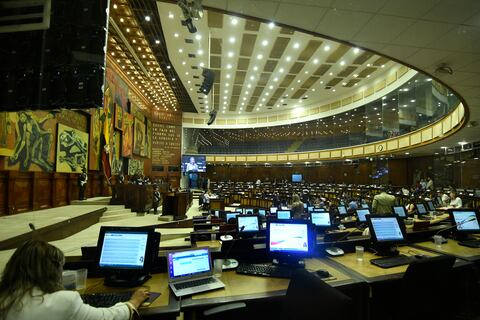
{"points": [[139, 296]]}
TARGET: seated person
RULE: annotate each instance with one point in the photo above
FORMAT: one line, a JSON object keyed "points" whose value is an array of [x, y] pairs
{"points": [[455, 201], [31, 288], [411, 205], [297, 207], [352, 205]]}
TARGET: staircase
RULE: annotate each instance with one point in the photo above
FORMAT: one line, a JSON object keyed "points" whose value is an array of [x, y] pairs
{"points": [[113, 213]]}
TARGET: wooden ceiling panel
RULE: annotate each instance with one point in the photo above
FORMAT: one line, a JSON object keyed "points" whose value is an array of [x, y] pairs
{"points": [[243, 64], [234, 100], [287, 80], [278, 93], [216, 46], [309, 50], [352, 82], [334, 82], [218, 75], [286, 31], [380, 61], [215, 19], [296, 68], [215, 62], [309, 82], [347, 71], [271, 102], [279, 47], [270, 65], [337, 54], [257, 92], [248, 43], [263, 79], [363, 57], [253, 101], [322, 69], [239, 77], [236, 90], [299, 93], [252, 25], [365, 72]]}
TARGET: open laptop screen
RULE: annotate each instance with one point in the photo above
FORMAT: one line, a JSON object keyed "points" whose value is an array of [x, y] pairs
{"points": [[188, 263]]}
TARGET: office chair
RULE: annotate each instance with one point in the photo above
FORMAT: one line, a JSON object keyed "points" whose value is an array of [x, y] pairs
{"points": [[308, 297]]}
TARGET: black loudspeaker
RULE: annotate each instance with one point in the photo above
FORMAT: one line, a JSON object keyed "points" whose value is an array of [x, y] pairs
{"points": [[213, 116], [208, 79]]}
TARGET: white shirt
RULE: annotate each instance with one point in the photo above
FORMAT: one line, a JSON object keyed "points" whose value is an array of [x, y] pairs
{"points": [[456, 203], [63, 305]]}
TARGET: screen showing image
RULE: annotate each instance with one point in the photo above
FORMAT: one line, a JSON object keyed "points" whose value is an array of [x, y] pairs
{"points": [[361, 213], [421, 208], [304, 206], [247, 211], [288, 237], [342, 210], [273, 210], [262, 212], [310, 208], [194, 164], [400, 211], [466, 220], [319, 210], [321, 219], [239, 210], [283, 214], [387, 229], [430, 206], [249, 223], [297, 177], [365, 205], [216, 213], [189, 262], [131, 245], [231, 215]]}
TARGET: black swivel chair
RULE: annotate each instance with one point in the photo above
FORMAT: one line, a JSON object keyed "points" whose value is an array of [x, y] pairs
{"points": [[308, 297]]}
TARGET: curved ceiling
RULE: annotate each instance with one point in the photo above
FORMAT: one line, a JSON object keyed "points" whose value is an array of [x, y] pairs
{"points": [[423, 34], [261, 68]]}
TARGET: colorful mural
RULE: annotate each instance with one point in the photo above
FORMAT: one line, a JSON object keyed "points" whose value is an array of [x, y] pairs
{"points": [[127, 139], [135, 166], [148, 140], [139, 136], [72, 149], [116, 152], [118, 117], [33, 133], [95, 136]]}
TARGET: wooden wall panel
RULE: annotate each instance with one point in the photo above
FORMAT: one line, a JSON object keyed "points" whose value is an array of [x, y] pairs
{"points": [[3, 193]]}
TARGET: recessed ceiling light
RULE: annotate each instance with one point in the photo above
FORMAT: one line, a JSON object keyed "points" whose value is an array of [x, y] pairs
{"points": [[288, 58], [296, 45], [229, 66], [249, 85], [115, 6], [383, 66], [368, 76], [171, 15], [260, 56], [264, 43], [230, 54], [200, 52], [128, 29], [271, 87], [180, 50], [342, 63], [234, 21], [281, 70], [344, 83], [326, 48], [260, 105], [168, 67], [147, 18], [333, 90], [331, 74], [255, 68], [231, 39], [369, 64], [122, 20], [198, 36], [202, 64], [321, 82], [176, 35], [356, 50], [271, 25], [252, 77], [228, 76], [227, 84], [275, 79], [157, 41], [299, 80], [315, 61], [184, 63]]}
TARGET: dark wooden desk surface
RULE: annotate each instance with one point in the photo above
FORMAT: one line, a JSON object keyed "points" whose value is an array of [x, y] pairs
{"points": [[452, 248]]}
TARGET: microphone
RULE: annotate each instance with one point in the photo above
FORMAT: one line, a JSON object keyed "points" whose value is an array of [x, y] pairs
{"points": [[32, 227], [336, 251], [231, 263]]}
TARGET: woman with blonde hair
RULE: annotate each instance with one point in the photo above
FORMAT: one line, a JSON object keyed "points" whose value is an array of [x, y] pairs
{"points": [[31, 288], [297, 207]]}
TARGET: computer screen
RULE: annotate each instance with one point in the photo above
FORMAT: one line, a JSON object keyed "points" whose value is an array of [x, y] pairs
{"points": [[361, 214], [216, 213], [310, 208], [421, 208], [400, 211], [239, 210], [247, 211], [124, 249], [288, 237], [284, 214], [304, 206], [297, 177], [188, 262], [430, 206], [439, 201], [321, 219], [386, 229], [194, 163], [262, 212], [365, 205], [231, 215], [319, 210], [273, 210], [248, 223], [342, 210], [466, 220]]}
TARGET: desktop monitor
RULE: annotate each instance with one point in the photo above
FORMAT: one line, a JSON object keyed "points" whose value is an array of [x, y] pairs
{"points": [[262, 212], [466, 221], [273, 210], [239, 210], [284, 214], [247, 210], [321, 219], [248, 224], [342, 210], [400, 211], [362, 214], [290, 238], [230, 215], [310, 209], [126, 254], [439, 201], [430, 205], [386, 230], [365, 206], [421, 210], [319, 210], [296, 177]]}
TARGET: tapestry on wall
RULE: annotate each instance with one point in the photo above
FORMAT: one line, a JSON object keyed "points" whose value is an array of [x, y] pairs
{"points": [[118, 117], [135, 167], [95, 136], [72, 149], [148, 140], [139, 138], [116, 152], [127, 139], [32, 133]]}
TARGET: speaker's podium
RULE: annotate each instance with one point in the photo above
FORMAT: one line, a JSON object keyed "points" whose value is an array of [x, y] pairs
{"points": [[176, 204]]}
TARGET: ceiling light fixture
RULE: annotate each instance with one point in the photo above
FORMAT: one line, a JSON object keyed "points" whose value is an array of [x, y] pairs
{"points": [[231, 39], [234, 21], [271, 25], [326, 48]]}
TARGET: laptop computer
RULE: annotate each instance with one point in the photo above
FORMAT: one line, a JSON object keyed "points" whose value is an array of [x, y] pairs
{"points": [[190, 271]]}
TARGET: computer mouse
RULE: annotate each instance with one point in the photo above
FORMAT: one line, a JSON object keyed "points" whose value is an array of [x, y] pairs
{"points": [[323, 273], [226, 237], [420, 256], [334, 251]]}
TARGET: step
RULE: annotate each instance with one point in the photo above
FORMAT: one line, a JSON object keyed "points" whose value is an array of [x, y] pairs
{"points": [[117, 211], [92, 201], [115, 217]]}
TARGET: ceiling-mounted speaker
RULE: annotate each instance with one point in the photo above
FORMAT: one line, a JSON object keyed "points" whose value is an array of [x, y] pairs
{"points": [[213, 116], [208, 79]]}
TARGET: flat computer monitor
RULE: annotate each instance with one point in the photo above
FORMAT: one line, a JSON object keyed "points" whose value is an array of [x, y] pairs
{"points": [[342, 210], [439, 201], [297, 177], [310, 208], [126, 254], [466, 221], [273, 210], [216, 213], [319, 210], [365, 206], [230, 215], [262, 212], [305, 206], [284, 214], [430, 205], [239, 210], [248, 224], [247, 210], [362, 214], [321, 219], [290, 238], [421, 209], [386, 230], [400, 211]]}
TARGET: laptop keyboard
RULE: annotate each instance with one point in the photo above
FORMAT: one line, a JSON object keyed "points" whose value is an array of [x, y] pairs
{"points": [[194, 283], [264, 270]]}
